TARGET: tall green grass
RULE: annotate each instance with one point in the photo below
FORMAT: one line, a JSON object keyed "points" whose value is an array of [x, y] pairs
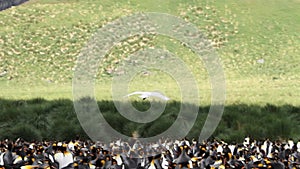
{"points": [[38, 119]]}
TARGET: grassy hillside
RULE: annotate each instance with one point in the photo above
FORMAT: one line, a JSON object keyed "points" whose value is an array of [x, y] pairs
{"points": [[258, 43], [40, 41]]}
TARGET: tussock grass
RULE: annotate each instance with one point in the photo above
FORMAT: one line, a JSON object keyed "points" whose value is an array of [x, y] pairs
{"points": [[47, 119]]}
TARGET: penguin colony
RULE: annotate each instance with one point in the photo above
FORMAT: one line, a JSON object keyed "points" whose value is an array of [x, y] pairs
{"points": [[162, 154]]}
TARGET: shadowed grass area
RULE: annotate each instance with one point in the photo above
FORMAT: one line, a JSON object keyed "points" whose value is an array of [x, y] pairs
{"points": [[37, 119]]}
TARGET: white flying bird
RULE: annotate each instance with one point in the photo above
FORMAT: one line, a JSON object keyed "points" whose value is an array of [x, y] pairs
{"points": [[261, 61], [3, 73], [145, 95]]}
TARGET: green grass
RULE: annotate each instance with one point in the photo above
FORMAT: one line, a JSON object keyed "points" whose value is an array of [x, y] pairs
{"points": [[246, 91], [40, 41], [267, 29], [56, 119]]}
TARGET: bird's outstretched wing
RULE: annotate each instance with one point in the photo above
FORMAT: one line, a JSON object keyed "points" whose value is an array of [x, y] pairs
{"points": [[137, 93], [160, 95], [145, 95]]}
